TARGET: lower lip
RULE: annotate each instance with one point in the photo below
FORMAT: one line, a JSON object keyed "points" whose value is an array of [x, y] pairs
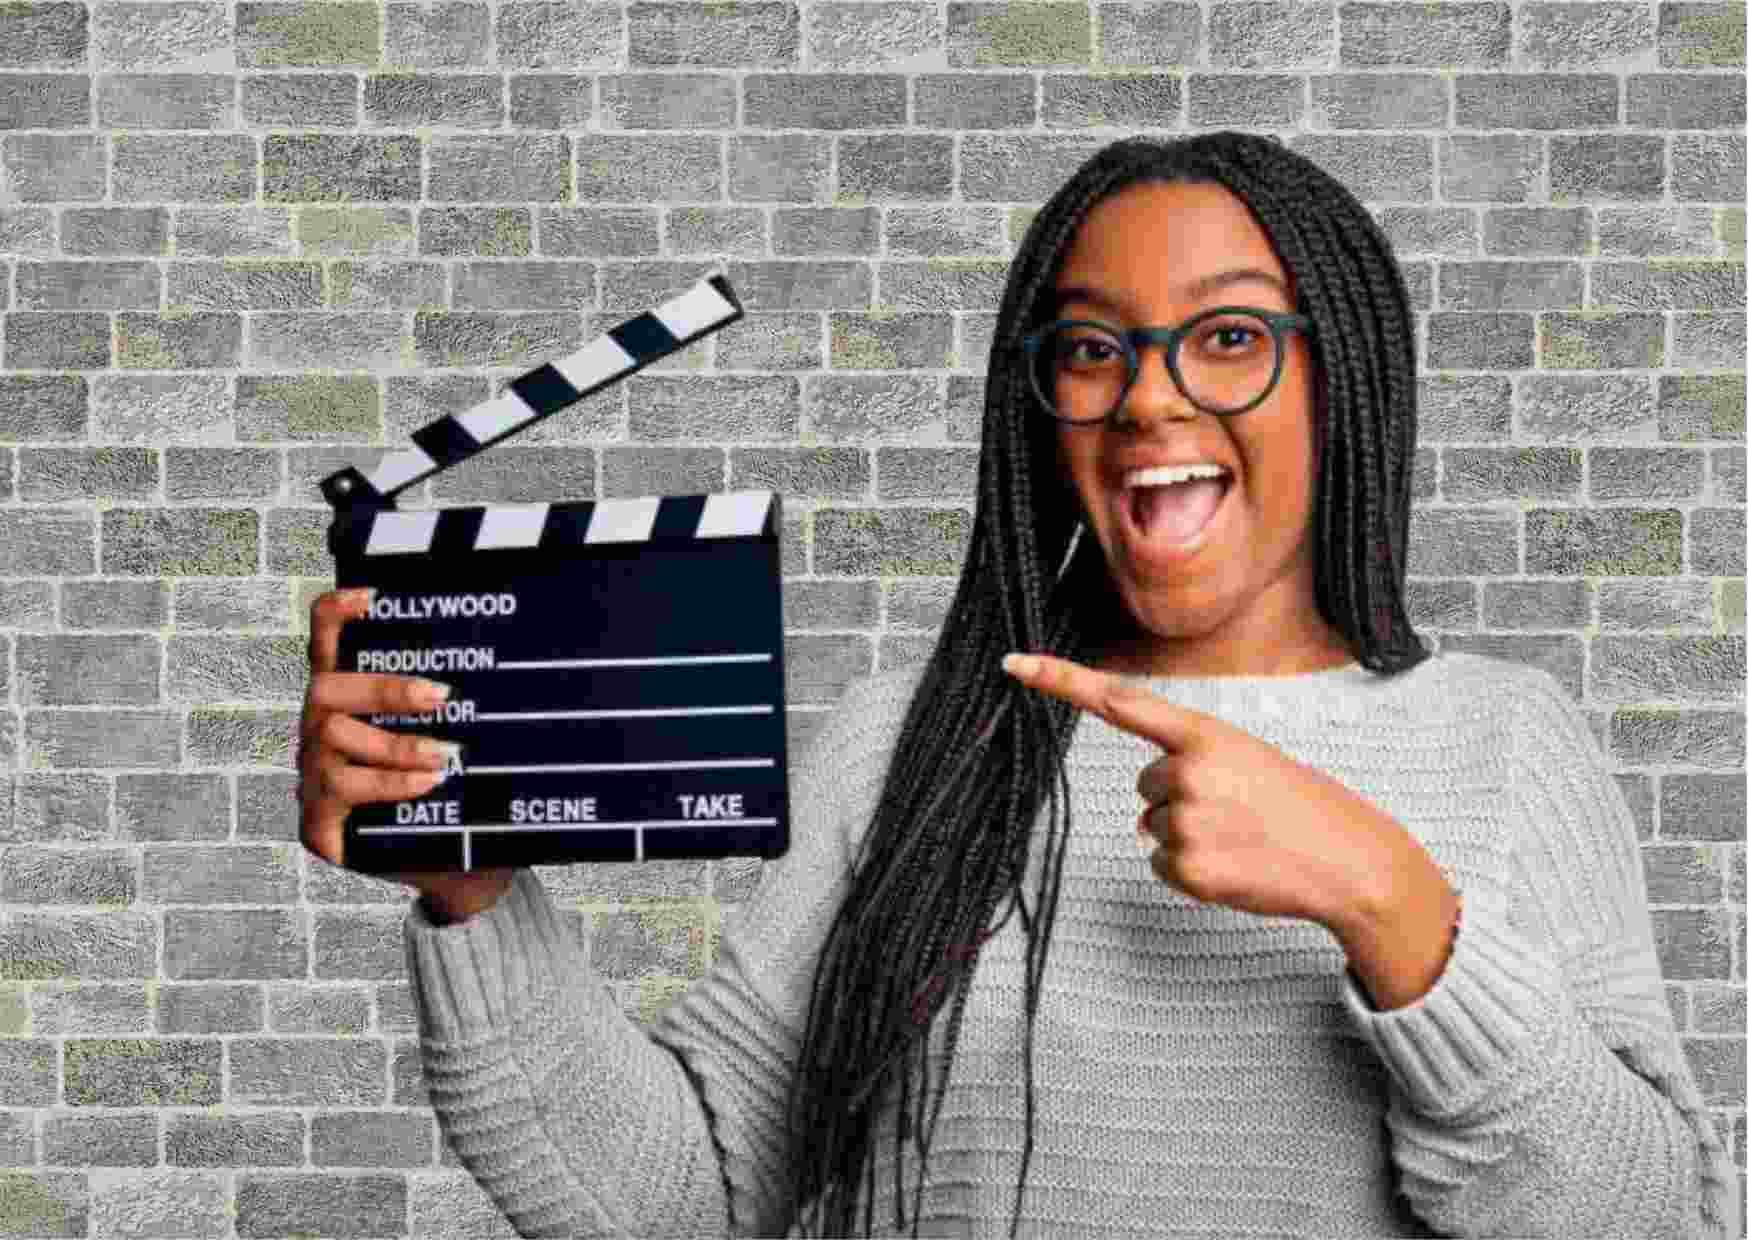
{"points": [[1155, 550]]}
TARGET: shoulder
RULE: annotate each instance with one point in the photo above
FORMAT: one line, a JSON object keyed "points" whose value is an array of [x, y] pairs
{"points": [[1531, 702]]}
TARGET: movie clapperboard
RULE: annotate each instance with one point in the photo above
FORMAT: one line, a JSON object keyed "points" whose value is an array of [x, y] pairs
{"points": [[617, 665]]}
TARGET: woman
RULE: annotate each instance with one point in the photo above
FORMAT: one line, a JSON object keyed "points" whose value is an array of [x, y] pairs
{"points": [[1389, 970]]}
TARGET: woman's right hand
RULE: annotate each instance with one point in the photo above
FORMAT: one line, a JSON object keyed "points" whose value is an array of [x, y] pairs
{"points": [[344, 762]]}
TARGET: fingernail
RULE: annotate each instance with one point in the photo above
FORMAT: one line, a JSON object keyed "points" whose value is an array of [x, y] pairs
{"points": [[430, 692], [1019, 664]]}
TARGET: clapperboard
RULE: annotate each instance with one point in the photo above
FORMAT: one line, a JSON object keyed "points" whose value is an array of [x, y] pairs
{"points": [[617, 665]]}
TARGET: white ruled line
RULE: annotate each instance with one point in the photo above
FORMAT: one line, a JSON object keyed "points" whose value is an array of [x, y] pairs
{"points": [[667, 661], [652, 713], [570, 826], [619, 766]]}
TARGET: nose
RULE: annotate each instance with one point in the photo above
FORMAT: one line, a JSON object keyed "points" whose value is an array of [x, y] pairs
{"points": [[1154, 395]]}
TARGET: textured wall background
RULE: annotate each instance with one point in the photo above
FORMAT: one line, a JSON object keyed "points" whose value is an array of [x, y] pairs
{"points": [[245, 245]]}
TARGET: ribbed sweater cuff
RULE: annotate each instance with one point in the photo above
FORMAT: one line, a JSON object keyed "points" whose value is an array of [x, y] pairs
{"points": [[1499, 999], [471, 976]]}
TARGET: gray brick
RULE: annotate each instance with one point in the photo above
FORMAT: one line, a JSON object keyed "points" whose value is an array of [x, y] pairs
{"points": [[1075, 100], [898, 35], [1691, 407], [1708, 340], [1388, 168], [718, 230], [442, 35], [1568, 407], [270, 1140], [230, 232], [1661, 231], [750, 35], [661, 471], [303, 1072], [1685, 101], [1702, 668], [219, 473], [830, 605], [387, 286], [226, 874], [371, 1139], [598, 231], [1536, 101], [1691, 944], [1641, 473], [28, 1073], [1523, 231], [1527, 285], [52, 542], [1271, 35], [488, 167], [928, 473], [817, 668], [115, 604], [61, 475], [1609, 542], [326, 1205], [327, 341], [271, 36], [46, 1204], [100, 1140], [111, 738], [1378, 101], [42, 407], [100, 1007], [115, 230], [1699, 36], [515, 340], [512, 474], [1708, 738], [82, 875], [178, 341], [60, 808], [1147, 34], [245, 284], [1706, 167], [566, 101], [360, 945], [1680, 875], [88, 285], [1556, 36], [1437, 35], [1550, 604], [1727, 476], [300, 99], [1489, 167], [43, 36], [830, 101], [888, 342], [340, 167], [164, 36], [543, 35], [215, 168], [641, 169], [1605, 166], [1480, 341], [1470, 544], [802, 473], [1490, 475], [784, 167], [909, 541], [490, 232], [299, 1008], [219, 541], [135, 1072], [55, 168], [1214, 100], [1715, 538], [1601, 340], [44, 101], [466, 101], [707, 101], [981, 36], [166, 101], [516, 286], [209, 1008], [1670, 285], [239, 943]]}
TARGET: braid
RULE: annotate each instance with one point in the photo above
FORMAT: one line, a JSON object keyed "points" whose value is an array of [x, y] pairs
{"points": [[950, 838]]}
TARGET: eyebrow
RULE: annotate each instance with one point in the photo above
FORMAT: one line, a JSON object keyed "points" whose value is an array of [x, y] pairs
{"points": [[1195, 291]]}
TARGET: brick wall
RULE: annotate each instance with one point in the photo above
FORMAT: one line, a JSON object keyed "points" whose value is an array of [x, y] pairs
{"points": [[243, 246]]}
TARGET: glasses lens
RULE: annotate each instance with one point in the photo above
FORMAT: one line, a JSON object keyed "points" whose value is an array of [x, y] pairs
{"points": [[1226, 363]]}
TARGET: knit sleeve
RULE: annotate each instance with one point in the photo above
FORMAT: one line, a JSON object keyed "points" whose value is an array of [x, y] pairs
{"points": [[577, 1120], [1540, 1089]]}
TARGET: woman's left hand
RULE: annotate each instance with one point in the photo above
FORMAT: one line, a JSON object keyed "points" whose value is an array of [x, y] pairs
{"points": [[1240, 823]]}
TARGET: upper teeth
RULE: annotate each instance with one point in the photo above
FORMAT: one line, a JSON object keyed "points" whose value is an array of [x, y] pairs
{"points": [[1165, 475]]}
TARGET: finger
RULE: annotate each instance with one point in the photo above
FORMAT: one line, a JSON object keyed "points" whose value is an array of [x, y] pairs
{"points": [[365, 693], [353, 740], [331, 610], [1131, 707], [1164, 779], [352, 784]]}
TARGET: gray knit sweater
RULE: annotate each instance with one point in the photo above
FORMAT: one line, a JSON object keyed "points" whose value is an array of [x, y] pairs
{"points": [[1200, 1071]]}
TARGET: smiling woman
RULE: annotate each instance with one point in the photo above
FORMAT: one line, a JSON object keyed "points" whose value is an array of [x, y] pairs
{"points": [[1272, 1027]]}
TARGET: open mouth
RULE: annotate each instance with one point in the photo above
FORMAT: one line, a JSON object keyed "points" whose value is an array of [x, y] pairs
{"points": [[1174, 518]]}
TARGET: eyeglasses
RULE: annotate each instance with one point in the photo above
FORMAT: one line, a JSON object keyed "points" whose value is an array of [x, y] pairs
{"points": [[1082, 370]]}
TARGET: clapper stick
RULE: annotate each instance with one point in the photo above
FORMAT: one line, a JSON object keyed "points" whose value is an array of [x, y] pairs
{"points": [[617, 665]]}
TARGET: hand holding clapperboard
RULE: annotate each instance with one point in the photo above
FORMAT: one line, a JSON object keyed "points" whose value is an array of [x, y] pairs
{"points": [[615, 666]]}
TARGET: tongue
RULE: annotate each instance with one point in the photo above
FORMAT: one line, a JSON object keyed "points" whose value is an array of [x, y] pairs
{"points": [[1179, 510]]}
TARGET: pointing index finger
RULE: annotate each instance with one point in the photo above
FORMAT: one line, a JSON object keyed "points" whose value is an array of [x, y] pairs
{"points": [[1131, 707]]}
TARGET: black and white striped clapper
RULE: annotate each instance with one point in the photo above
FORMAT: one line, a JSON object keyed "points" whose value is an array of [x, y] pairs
{"points": [[617, 665]]}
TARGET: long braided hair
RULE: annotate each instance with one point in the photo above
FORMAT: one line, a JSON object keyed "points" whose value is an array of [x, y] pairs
{"points": [[944, 849]]}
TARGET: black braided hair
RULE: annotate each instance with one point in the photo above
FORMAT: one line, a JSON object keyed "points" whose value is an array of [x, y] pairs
{"points": [[950, 840]]}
